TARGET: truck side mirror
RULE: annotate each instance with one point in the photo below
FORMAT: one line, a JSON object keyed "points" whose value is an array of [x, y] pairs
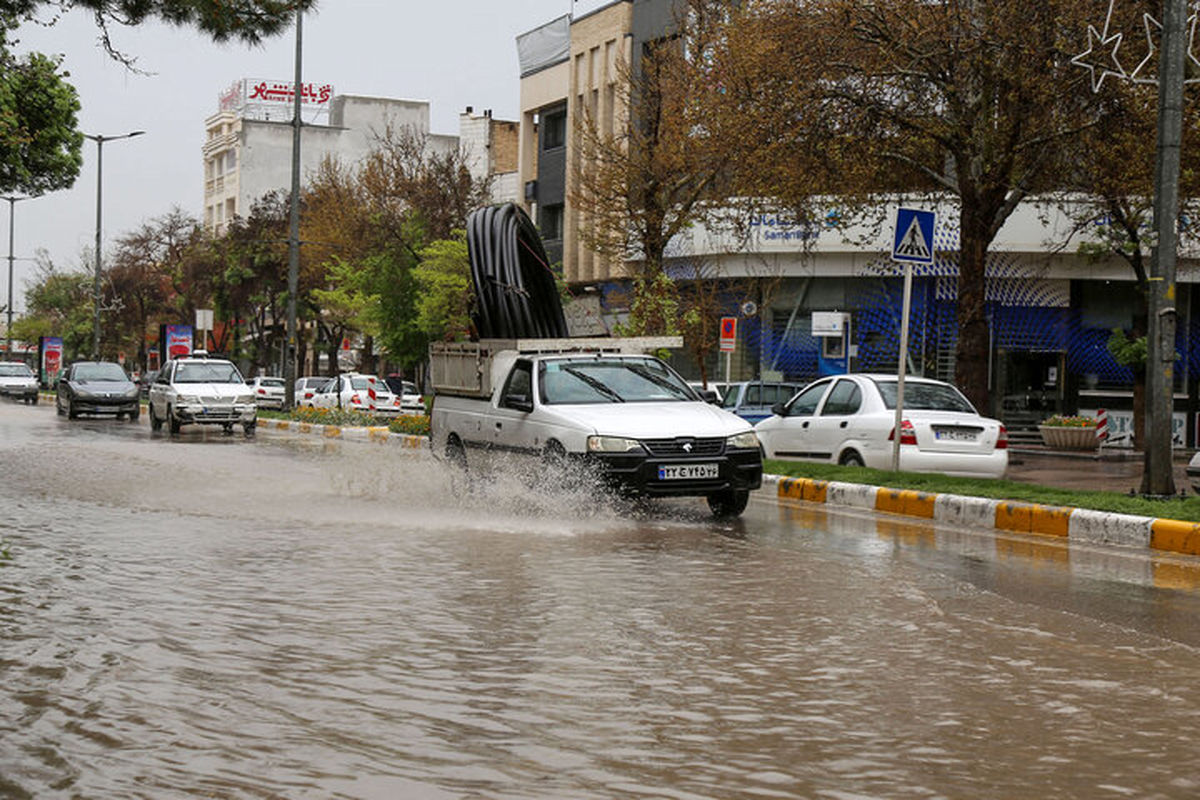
{"points": [[709, 396], [779, 409]]}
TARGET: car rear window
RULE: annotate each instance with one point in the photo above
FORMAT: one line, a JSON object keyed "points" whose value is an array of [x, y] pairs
{"points": [[278, 382], [926, 397]]}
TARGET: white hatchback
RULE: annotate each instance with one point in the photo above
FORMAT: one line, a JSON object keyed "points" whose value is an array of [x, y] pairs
{"points": [[850, 420]]}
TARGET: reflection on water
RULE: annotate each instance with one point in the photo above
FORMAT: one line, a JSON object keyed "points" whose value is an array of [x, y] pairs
{"points": [[311, 620]]}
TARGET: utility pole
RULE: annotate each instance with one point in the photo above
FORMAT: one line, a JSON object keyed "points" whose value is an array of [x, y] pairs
{"points": [[1158, 474], [289, 362], [12, 202]]}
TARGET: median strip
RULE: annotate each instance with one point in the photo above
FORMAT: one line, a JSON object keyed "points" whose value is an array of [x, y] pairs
{"points": [[1073, 524]]}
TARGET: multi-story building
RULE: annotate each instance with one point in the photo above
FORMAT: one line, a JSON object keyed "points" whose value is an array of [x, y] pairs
{"points": [[248, 149]]}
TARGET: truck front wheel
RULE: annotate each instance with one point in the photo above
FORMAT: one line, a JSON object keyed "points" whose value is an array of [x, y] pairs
{"points": [[728, 503]]}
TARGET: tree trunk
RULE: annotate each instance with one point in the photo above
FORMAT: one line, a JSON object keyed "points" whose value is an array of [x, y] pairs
{"points": [[971, 355]]}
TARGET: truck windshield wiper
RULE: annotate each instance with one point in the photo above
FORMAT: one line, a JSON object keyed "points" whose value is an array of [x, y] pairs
{"points": [[595, 384], [642, 372]]}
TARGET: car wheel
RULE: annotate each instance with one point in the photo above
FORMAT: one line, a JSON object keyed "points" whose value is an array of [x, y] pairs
{"points": [[33, 400], [728, 503], [173, 423], [249, 428], [133, 415], [155, 422], [851, 458], [71, 412], [58, 407], [227, 428]]}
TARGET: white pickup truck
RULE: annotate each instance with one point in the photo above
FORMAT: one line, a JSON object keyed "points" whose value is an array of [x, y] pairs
{"points": [[603, 404]]}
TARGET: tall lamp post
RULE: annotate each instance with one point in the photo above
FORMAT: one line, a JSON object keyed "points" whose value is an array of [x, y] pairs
{"points": [[100, 140], [12, 201]]}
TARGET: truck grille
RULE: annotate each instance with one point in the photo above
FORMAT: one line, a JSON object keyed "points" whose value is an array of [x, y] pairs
{"points": [[684, 446]]}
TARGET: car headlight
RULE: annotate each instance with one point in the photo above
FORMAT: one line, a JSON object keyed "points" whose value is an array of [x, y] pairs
{"points": [[244, 399], [611, 444], [188, 399], [743, 441], [80, 392]]}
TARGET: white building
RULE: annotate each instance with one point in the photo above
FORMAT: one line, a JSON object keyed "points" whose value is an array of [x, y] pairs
{"points": [[248, 148]]}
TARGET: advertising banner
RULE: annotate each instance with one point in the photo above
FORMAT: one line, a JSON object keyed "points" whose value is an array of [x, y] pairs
{"points": [[177, 340], [49, 359]]}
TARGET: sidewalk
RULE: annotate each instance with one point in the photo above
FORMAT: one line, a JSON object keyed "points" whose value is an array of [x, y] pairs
{"points": [[1108, 470]]}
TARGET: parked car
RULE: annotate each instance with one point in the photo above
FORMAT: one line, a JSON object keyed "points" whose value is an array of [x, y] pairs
{"points": [[196, 389], [268, 392], [356, 392], [752, 400], [97, 387], [850, 419], [411, 401], [307, 386], [17, 380], [144, 380]]}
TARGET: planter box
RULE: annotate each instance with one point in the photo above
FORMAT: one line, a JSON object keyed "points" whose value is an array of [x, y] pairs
{"points": [[1069, 438]]}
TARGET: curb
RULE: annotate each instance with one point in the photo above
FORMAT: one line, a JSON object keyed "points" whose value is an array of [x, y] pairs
{"points": [[1072, 524]]}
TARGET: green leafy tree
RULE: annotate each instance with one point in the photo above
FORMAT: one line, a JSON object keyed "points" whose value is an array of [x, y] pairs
{"points": [[39, 144], [443, 279], [59, 304]]}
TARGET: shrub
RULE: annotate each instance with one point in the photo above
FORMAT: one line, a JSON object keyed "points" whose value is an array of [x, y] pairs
{"points": [[410, 424], [1061, 421]]}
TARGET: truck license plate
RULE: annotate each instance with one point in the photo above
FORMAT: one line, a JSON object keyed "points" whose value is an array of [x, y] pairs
{"points": [[674, 472]]}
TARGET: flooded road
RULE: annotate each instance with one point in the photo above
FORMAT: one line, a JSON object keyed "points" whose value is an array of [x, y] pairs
{"points": [[216, 617]]}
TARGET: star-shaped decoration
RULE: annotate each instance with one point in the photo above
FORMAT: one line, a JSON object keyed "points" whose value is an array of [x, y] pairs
{"points": [[1093, 61], [1154, 29]]}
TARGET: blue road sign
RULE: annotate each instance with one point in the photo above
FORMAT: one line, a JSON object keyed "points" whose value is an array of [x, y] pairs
{"points": [[913, 239]]}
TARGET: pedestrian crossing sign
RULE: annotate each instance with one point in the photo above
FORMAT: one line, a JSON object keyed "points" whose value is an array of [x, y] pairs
{"points": [[913, 239]]}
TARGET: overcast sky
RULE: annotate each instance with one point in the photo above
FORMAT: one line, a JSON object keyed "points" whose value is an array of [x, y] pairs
{"points": [[453, 53]]}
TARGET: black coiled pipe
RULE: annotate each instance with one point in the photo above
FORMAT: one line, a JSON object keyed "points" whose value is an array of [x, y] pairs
{"points": [[515, 293]]}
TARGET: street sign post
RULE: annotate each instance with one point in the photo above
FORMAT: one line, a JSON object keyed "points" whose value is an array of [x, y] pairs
{"points": [[912, 243], [728, 343]]}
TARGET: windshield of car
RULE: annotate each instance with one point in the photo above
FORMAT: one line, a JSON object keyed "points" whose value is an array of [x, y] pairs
{"points": [[609, 380], [925, 397], [15, 371], [99, 372], [207, 372]]}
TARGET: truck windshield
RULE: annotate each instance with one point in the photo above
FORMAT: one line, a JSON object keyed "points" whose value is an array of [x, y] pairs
{"points": [[609, 380]]}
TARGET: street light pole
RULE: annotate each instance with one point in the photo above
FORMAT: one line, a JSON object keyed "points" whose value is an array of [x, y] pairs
{"points": [[12, 201], [289, 362], [100, 140]]}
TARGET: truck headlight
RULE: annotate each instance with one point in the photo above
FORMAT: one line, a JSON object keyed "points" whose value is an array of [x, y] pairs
{"points": [[611, 444], [743, 441]]}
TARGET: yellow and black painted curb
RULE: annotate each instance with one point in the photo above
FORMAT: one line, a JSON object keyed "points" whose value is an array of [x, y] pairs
{"points": [[1072, 524]]}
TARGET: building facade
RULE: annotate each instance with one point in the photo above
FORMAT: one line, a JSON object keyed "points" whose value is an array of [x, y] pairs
{"points": [[1051, 308], [247, 150]]}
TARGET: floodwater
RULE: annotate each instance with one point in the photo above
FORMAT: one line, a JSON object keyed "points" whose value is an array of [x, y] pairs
{"points": [[220, 617]]}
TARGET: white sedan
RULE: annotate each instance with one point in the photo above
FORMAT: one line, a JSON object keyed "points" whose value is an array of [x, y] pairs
{"points": [[850, 420], [367, 394]]}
